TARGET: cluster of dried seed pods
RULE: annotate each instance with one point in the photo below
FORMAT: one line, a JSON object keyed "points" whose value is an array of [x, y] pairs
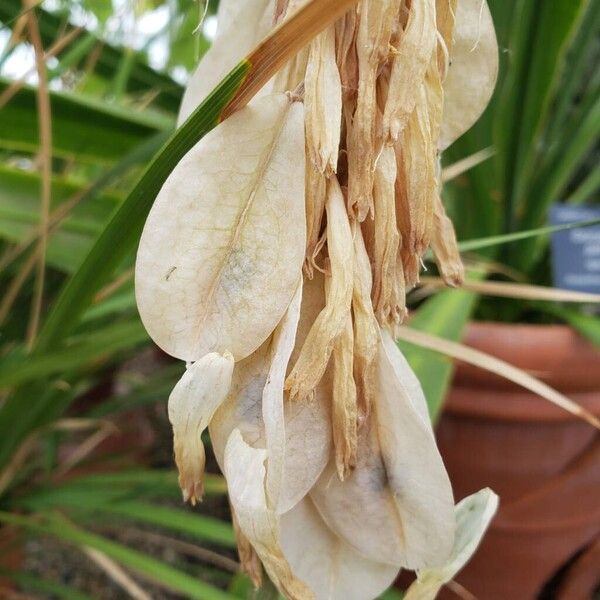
{"points": [[276, 260]]}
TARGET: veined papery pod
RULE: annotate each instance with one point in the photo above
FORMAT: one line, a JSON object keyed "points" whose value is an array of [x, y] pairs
{"points": [[473, 71], [386, 238], [323, 103], [318, 346], [192, 403], [305, 455], [326, 563], [411, 59], [222, 250], [316, 197], [473, 516], [247, 22], [418, 163], [381, 509], [375, 27], [366, 328], [245, 471], [445, 247], [344, 414]]}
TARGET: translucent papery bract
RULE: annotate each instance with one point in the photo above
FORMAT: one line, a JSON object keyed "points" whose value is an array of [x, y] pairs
{"points": [[473, 516], [245, 22], [376, 24], [222, 250], [244, 469], [473, 70], [366, 329], [323, 101], [316, 351], [397, 506], [192, 403], [306, 454], [327, 564], [412, 57]]}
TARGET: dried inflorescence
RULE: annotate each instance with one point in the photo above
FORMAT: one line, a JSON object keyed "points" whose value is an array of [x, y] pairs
{"points": [[276, 262]]}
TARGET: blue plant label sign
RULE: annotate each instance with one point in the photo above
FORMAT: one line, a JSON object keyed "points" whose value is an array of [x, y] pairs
{"points": [[576, 252]]}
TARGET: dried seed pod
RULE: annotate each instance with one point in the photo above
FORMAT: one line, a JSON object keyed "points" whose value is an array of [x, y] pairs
{"points": [[366, 329], [418, 162], [305, 456], [411, 60], [316, 196], [386, 238], [379, 510], [473, 516], [473, 70], [326, 563], [445, 247], [316, 350], [323, 103], [377, 18], [280, 352], [244, 468], [344, 412], [222, 250], [192, 403], [249, 560]]}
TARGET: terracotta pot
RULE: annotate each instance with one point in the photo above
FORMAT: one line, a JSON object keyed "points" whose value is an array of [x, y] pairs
{"points": [[543, 462]]}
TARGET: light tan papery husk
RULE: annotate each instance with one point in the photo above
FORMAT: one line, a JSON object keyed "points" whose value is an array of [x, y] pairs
{"points": [[445, 247], [386, 238], [245, 472], [375, 28], [344, 405], [316, 351], [411, 59], [366, 329], [323, 103], [192, 404], [249, 560]]}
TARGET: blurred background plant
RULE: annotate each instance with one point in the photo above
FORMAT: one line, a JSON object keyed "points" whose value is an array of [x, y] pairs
{"points": [[89, 92]]}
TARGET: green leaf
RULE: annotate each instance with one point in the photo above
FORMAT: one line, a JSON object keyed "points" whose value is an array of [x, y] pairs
{"points": [[17, 368], [85, 128], [50, 589], [139, 562], [445, 315], [556, 25], [495, 240], [201, 527]]}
